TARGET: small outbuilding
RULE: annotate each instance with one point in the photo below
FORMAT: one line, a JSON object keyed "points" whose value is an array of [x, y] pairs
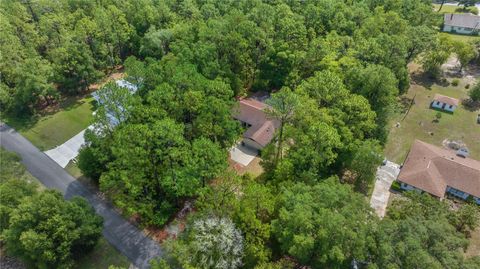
{"points": [[468, 24], [445, 102]]}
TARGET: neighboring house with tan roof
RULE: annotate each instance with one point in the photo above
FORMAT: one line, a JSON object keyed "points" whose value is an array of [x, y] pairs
{"points": [[260, 129], [445, 102], [439, 171], [461, 23]]}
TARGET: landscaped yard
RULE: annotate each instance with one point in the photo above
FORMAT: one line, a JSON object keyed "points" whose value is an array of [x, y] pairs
{"points": [[102, 257], [454, 9], [419, 123], [52, 129]]}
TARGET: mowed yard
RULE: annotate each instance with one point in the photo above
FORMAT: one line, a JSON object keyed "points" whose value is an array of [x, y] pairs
{"points": [[454, 9], [419, 123], [53, 128]]}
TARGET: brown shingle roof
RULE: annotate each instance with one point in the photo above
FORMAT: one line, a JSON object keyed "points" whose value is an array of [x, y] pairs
{"points": [[432, 169], [252, 112], [446, 99], [462, 20]]}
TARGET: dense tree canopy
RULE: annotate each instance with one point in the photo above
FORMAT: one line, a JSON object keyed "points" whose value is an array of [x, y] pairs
{"points": [[315, 224], [46, 231], [40, 227], [423, 232], [333, 69]]}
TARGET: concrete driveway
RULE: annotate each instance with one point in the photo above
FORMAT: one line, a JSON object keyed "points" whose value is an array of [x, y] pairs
{"points": [[242, 155], [386, 174], [67, 151]]}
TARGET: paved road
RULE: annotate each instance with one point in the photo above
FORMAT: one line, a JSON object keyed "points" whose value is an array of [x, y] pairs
{"points": [[130, 241]]}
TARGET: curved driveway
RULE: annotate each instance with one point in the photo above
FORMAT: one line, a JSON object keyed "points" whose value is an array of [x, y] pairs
{"points": [[124, 236]]}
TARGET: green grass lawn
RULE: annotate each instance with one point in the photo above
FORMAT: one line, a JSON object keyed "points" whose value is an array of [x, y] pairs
{"points": [[102, 257], [12, 168], [461, 125], [454, 9], [462, 38], [52, 129]]}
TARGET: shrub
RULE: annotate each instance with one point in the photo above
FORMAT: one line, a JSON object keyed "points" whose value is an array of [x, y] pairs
{"points": [[455, 82], [474, 93], [46, 231], [396, 186], [467, 86]]}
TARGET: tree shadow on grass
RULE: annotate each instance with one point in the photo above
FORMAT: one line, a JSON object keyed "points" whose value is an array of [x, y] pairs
{"points": [[471, 105], [427, 81], [26, 122]]}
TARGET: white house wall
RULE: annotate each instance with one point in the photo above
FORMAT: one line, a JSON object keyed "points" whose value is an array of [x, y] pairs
{"points": [[456, 29], [408, 187], [439, 105]]}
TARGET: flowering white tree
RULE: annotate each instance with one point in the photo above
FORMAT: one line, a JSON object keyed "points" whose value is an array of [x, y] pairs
{"points": [[216, 243]]}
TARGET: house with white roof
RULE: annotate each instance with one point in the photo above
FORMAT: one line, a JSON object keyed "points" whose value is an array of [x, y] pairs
{"points": [[468, 24]]}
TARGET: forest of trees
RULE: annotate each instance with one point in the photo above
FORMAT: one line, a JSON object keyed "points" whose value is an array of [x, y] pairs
{"points": [[334, 70]]}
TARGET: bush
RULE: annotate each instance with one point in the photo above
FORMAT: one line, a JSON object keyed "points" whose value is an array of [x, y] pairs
{"points": [[396, 186], [474, 93], [467, 86], [46, 231], [455, 82]]}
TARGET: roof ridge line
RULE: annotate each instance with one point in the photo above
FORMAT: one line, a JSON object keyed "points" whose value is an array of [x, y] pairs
{"points": [[448, 159]]}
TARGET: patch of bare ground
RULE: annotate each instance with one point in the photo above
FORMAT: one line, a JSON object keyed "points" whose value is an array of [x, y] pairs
{"points": [[253, 168], [7, 262], [174, 227]]}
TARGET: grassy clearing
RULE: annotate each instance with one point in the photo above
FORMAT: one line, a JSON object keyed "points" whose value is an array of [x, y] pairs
{"points": [[12, 168], [454, 9], [462, 38], [73, 169], [419, 123], [51, 129], [102, 257]]}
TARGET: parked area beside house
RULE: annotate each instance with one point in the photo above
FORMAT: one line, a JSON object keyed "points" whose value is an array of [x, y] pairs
{"points": [[461, 23], [386, 174], [444, 102], [440, 172]]}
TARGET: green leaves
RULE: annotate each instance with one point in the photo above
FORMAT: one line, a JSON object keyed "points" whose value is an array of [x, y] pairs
{"points": [[419, 232], [324, 225], [154, 167], [46, 231]]}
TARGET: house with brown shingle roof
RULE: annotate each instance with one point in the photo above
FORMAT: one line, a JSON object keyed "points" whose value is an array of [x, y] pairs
{"points": [[260, 129], [461, 23], [445, 102], [438, 171]]}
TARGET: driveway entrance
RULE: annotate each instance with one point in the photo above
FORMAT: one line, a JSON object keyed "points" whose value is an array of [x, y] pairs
{"points": [[386, 174]]}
